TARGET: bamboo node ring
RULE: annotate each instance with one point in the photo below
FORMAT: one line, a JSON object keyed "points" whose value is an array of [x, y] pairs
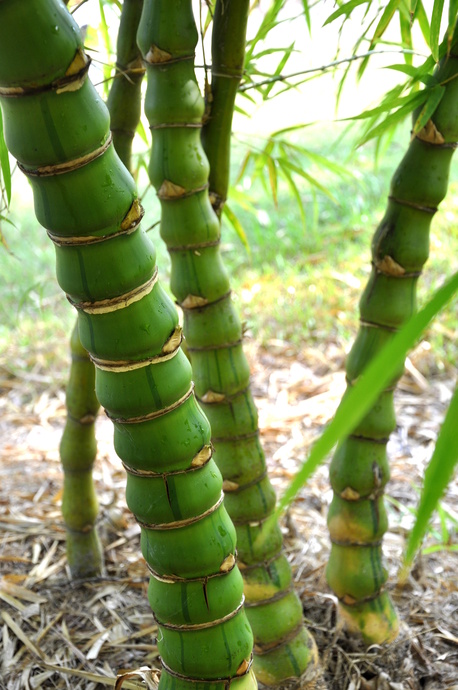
{"points": [[111, 304], [68, 166], [153, 415], [177, 524]]}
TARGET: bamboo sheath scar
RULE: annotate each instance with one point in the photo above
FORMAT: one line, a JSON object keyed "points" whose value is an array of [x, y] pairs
{"points": [[359, 471], [53, 116], [284, 652]]}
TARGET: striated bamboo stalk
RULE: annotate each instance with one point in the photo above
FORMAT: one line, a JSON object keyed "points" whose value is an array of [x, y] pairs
{"points": [[58, 129], [359, 470], [284, 651], [78, 448]]}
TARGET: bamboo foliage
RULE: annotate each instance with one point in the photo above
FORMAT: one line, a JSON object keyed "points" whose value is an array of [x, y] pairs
{"points": [[179, 170], [359, 471], [58, 129]]}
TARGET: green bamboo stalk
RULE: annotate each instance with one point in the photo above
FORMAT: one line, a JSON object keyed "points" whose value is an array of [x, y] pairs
{"points": [[359, 470], [78, 448], [124, 99], [284, 651], [58, 129], [228, 56]]}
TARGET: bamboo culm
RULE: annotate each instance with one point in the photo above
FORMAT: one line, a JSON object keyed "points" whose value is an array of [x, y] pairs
{"points": [[283, 651], [58, 129], [78, 448], [179, 170], [359, 471]]}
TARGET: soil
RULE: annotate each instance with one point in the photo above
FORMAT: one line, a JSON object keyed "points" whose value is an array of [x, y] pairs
{"points": [[62, 634]]}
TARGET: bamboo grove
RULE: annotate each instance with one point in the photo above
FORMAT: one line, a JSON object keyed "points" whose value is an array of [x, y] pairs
{"points": [[184, 435]]}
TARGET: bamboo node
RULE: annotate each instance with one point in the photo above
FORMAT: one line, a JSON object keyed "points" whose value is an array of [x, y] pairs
{"points": [[170, 190], [156, 55], [153, 415], [193, 302], [133, 216], [203, 456], [431, 134], [68, 166], [350, 494], [388, 266], [229, 486], [243, 668], [213, 397], [178, 524], [111, 304], [227, 564], [174, 342]]}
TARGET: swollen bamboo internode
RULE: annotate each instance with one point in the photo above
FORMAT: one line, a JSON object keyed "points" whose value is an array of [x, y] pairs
{"points": [[285, 653], [57, 127], [359, 470]]}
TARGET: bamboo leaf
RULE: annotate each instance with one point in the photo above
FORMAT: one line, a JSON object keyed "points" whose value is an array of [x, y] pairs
{"points": [[363, 394], [310, 179], [437, 476], [435, 28], [435, 96], [236, 224], [294, 190], [273, 179], [406, 32], [5, 162], [345, 9], [384, 22], [422, 19], [278, 71], [393, 119], [141, 132], [306, 7]]}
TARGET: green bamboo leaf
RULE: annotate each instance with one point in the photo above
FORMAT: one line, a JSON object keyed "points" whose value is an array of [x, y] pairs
{"points": [[294, 190], [452, 20], [390, 102], [384, 22], [422, 18], [435, 28], [345, 9], [393, 119], [5, 162], [435, 96], [310, 179], [236, 224], [362, 395], [406, 32], [306, 7], [437, 476], [142, 132], [243, 167], [278, 71], [273, 179]]}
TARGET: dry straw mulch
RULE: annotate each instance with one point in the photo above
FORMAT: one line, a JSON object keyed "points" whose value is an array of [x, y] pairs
{"points": [[60, 634]]}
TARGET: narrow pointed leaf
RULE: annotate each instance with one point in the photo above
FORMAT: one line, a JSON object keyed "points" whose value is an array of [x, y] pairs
{"points": [[435, 27], [361, 397], [236, 224], [345, 9], [429, 108], [5, 162], [437, 476]]}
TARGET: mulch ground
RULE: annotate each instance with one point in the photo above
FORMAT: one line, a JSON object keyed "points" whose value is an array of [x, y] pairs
{"points": [[56, 633]]}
